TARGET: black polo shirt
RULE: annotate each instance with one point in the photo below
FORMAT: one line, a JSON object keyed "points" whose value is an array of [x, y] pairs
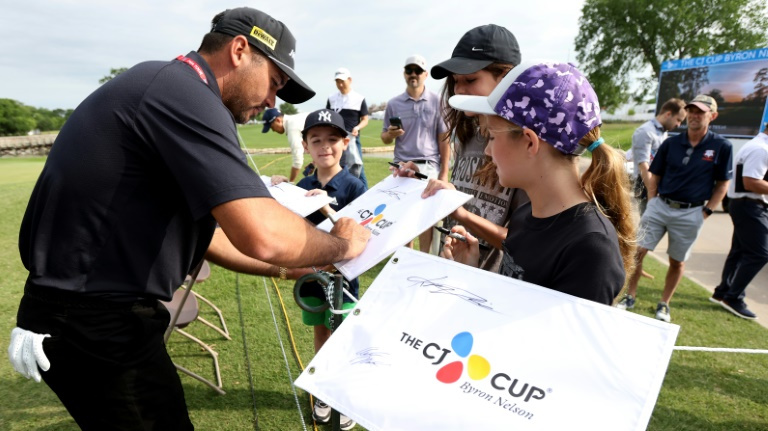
{"points": [[122, 208], [708, 162]]}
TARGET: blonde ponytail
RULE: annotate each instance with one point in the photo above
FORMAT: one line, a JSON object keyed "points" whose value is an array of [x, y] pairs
{"points": [[607, 184]]}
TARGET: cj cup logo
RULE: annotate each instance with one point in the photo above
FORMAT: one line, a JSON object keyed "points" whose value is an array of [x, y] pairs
{"points": [[478, 367], [374, 220]]}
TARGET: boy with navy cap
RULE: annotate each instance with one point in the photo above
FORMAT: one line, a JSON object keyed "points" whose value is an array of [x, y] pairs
{"points": [[325, 139]]}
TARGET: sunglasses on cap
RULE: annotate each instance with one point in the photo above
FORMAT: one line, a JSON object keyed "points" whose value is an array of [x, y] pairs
{"points": [[416, 70]]}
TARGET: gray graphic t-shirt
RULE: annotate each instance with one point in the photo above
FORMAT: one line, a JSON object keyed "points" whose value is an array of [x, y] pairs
{"points": [[491, 202]]}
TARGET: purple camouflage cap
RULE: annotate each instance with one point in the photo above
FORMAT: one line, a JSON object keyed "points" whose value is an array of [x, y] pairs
{"points": [[553, 99]]}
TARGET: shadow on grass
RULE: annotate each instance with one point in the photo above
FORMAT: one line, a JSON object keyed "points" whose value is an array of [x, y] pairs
{"points": [[672, 419]]}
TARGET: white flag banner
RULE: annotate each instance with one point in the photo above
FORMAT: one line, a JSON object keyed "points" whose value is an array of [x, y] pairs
{"points": [[395, 213], [294, 198], [434, 344]]}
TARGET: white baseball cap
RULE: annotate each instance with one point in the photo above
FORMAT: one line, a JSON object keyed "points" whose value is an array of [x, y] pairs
{"points": [[417, 60], [342, 73]]}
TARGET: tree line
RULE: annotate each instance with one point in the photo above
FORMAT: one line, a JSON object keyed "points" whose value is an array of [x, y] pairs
{"points": [[19, 119]]}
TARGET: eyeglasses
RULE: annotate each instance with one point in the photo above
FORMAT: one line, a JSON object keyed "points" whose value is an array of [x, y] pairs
{"points": [[416, 70], [687, 157]]}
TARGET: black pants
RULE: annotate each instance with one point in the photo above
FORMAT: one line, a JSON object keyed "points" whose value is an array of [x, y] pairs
{"points": [[749, 248], [109, 366]]}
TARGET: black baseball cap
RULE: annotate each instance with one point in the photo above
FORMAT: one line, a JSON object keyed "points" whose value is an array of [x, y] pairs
{"points": [[477, 49], [324, 117], [272, 38]]}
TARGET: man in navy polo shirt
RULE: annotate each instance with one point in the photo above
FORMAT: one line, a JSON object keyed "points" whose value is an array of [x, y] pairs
{"points": [[690, 176], [127, 204]]}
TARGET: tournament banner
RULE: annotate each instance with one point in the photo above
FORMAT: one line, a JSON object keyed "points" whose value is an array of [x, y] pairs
{"points": [[395, 213], [435, 344], [294, 198]]}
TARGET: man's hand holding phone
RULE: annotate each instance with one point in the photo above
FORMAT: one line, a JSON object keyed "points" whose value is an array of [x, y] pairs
{"points": [[394, 131]]}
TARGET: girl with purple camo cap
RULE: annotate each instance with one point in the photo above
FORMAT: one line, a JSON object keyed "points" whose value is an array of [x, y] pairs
{"points": [[576, 235]]}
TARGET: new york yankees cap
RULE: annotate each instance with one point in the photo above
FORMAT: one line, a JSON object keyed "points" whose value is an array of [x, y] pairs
{"points": [[553, 99], [479, 48], [272, 38], [324, 117]]}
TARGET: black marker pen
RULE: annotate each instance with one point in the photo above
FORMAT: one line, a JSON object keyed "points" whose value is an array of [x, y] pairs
{"points": [[459, 236], [416, 174]]}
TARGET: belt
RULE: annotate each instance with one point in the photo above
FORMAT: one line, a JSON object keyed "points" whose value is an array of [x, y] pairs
{"points": [[679, 204], [759, 201], [420, 161]]}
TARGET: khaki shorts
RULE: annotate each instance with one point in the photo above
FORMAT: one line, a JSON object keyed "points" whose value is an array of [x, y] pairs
{"points": [[683, 226]]}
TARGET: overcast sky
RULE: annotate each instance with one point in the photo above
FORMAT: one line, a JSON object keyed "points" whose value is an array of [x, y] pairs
{"points": [[53, 53]]}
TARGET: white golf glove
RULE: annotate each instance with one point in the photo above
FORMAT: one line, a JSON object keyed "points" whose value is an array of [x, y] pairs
{"points": [[26, 353]]}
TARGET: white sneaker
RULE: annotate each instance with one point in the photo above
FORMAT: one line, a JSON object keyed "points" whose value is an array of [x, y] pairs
{"points": [[626, 303], [321, 413], [346, 423], [662, 312]]}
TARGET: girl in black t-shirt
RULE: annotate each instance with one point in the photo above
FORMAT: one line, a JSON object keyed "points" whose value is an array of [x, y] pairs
{"points": [[576, 235]]}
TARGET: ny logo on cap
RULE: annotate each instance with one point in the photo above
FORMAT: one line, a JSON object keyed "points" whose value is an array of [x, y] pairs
{"points": [[324, 116]]}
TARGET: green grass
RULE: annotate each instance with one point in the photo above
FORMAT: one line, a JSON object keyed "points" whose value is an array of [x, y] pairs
{"points": [[701, 391]]}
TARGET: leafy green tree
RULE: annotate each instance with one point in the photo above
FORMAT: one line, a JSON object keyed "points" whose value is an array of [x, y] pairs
{"points": [[619, 37], [288, 109], [112, 73], [15, 118], [759, 96], [48, 120]]}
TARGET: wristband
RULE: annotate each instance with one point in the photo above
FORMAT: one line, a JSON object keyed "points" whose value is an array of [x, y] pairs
{"points": [[283, 272]]}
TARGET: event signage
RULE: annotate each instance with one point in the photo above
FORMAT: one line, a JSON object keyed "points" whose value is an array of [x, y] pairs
{"points": [[395, 213], [738, 81], [435, 344]]}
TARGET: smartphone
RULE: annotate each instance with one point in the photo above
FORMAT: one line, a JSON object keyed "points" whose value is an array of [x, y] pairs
{"points": [[395, 121]]}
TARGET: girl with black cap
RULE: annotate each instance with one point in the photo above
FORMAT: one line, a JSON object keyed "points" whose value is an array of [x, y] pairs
{"points": [[479, 61]]}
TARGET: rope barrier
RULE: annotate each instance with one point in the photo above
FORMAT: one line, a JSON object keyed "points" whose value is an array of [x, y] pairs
{"points": [[285, 357], [293, 340]]}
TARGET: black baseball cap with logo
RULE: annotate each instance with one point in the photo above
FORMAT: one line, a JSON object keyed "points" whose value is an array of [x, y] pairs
{"points": [[324, 117], [479, 48], [272, 38]]}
